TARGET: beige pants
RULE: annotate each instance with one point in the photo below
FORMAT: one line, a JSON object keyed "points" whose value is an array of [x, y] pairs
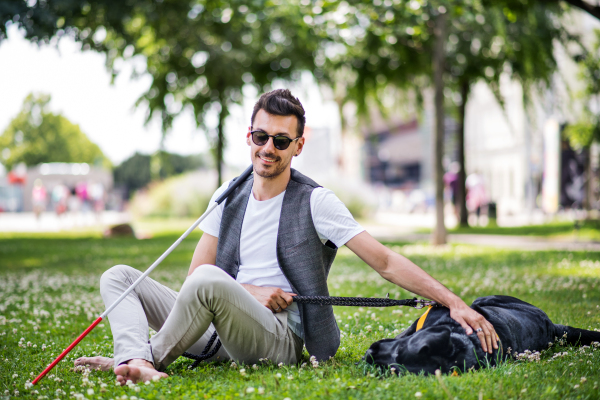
{"points": [[209, 299]]}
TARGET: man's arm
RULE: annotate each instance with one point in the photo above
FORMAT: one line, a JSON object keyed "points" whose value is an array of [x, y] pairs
{"points": [[205, 253], [273, 298], [403, 272]]}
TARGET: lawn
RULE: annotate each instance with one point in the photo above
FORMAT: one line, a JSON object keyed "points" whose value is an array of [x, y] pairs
{"points": [[49, 294], [580, 230]]}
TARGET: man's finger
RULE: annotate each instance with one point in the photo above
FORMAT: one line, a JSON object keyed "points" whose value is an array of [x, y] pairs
{"points": [[464, 324], [288, 297], [481, 336]]}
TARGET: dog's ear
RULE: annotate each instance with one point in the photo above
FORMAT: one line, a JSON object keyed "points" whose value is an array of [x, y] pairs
{"points": [[424, 351], [437, 341]]}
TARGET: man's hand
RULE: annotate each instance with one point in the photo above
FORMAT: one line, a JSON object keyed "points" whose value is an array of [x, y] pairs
{"points": [[273, 298], [471, 321]]}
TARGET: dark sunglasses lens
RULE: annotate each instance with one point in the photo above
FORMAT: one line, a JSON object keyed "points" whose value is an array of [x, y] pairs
{"points": [[260, 138], [281, 142]]}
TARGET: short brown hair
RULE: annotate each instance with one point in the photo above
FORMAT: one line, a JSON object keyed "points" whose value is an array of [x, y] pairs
{"points": [[281, 102]]}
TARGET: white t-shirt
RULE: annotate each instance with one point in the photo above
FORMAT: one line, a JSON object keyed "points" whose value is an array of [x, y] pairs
{"points": [[258, 241]]}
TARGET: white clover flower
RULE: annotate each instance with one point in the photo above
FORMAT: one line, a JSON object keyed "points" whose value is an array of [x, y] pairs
{"points": [[280, 365], [28, 385], [15, 376], [418, 394], [583, 379], [254, 366], [136, 388], [155, 378], [380, 327], [261, 390], [90, 392], [250, 390], [243, 371], [147, 383], [278, 375], [233, 365]]}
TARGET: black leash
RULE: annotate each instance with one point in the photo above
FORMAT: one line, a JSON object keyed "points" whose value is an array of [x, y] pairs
{"points": [[323, 301]]}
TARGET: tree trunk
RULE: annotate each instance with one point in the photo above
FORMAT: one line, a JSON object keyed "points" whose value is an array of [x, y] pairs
{"points": [[439, 234], [220, 145], [461, 189], [587, 176]]}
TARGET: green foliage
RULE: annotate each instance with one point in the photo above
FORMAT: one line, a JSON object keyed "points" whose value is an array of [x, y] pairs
{"points": [[139, 170], [199, 54], [584, 230], [37, 136], [379, 46], [582, 134], [49, 294]]}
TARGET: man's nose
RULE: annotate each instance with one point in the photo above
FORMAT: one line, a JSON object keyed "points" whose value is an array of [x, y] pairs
{"points": [[269, 146]]}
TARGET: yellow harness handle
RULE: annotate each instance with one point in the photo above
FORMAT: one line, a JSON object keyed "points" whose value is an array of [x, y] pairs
{"points": [[421, 320]]}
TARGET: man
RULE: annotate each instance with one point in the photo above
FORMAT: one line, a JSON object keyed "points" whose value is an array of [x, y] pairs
{"points": [[275, 237]]}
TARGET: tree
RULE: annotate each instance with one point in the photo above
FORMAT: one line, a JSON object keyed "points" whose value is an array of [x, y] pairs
{"points": [[586, 130], [199, 54], [137, 171], [390, 43], [490, 40], [37, 136]]}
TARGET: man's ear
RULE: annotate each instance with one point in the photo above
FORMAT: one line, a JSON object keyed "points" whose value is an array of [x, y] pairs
{"points": [[248, 134], [300, 146]]}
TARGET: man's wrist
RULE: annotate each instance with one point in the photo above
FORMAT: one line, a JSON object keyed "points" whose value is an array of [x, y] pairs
{"points": [[454, 302]]}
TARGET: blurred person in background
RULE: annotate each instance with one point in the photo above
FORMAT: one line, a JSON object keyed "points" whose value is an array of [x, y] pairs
{"points": [[476, 194], [39, 197], [451, 183], [97, 198], [60, 196]]}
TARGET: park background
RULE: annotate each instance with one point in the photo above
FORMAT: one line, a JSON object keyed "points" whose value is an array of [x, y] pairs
{"points": [[470, 122]]}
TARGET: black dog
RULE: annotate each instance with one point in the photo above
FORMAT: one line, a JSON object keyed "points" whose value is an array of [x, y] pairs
{"points": [[442, 343]]}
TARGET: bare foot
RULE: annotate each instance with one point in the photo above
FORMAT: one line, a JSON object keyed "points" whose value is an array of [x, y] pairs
{"points": [[99, 363], [137, 371]]}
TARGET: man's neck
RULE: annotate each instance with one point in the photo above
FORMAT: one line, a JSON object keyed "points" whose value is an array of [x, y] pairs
{"points": [[267, 188]]}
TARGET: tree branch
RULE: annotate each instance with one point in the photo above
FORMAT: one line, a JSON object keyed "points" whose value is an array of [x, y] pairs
{"points": [[587, 7]]}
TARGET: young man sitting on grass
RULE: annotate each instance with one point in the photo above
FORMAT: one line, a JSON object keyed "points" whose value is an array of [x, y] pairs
{"points": [[274, 237]]}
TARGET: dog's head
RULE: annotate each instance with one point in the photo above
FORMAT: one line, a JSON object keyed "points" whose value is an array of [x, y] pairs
{"points": [[436, 347]]}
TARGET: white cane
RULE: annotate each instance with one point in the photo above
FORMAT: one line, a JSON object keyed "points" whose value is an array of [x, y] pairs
{"points": [[234, 184]]}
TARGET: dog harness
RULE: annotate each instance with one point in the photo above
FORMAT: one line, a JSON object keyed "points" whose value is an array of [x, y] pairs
{"points": [[421, 320]]}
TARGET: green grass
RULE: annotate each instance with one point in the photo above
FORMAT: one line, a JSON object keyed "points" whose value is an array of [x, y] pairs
{"points": [[584, 230], [49, 295]]}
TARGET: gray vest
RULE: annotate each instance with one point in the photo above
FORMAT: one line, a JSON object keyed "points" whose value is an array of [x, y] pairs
{"points": [[303, 258]]}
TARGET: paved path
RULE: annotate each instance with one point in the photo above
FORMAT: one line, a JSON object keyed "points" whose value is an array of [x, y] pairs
{"points": [[403, 232], [386, 233], [50, 222]]}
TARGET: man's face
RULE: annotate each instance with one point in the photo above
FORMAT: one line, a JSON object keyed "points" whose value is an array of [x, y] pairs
{"points": [[268, 161]]}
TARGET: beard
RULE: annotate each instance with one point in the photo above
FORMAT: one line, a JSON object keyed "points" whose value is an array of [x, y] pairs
{"points": [[274, 170]]}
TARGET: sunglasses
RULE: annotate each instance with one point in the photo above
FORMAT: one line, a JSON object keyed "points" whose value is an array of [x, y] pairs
{"points": [[280, 142]]}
